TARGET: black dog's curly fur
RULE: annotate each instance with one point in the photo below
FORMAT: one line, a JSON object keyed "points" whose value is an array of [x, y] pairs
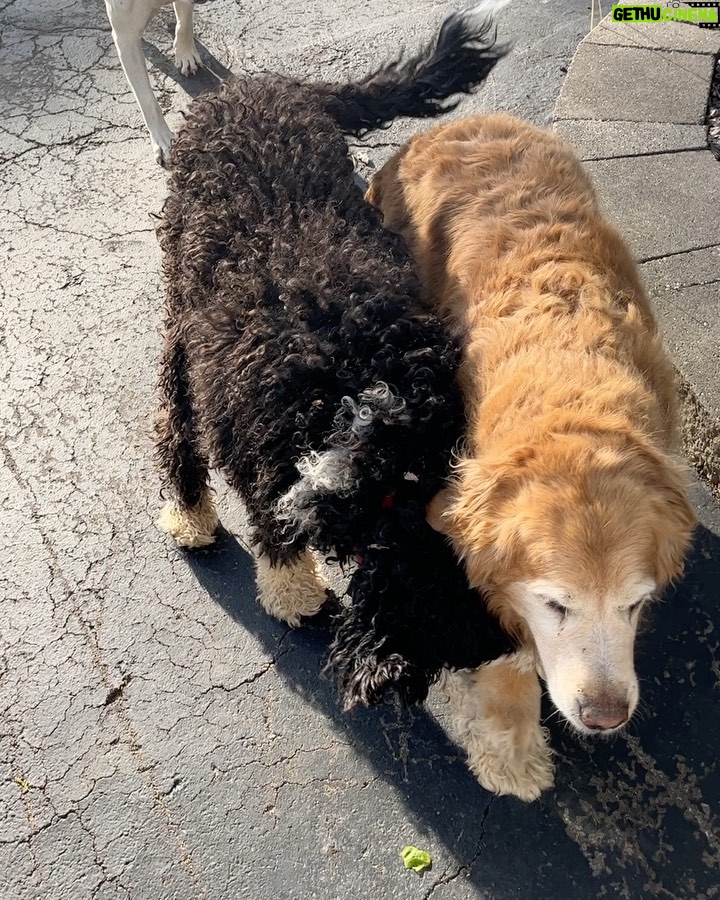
{"points": [[295, 327]]}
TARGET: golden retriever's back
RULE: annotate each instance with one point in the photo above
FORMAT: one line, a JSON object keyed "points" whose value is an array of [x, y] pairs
{"points": [[501, 212]]}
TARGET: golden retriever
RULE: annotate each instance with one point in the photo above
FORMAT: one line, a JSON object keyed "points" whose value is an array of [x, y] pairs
{"points": [[567, 506]]}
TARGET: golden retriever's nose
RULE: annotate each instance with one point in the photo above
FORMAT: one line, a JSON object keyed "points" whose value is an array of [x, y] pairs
{"points": [[604, 715]]}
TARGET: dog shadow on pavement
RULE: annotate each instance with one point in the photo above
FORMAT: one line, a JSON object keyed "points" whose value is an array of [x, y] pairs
{"points": [[212, 74], [652, 774]]}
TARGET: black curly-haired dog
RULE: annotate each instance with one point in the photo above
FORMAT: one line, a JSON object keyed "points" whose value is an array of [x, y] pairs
{"points": [[300, 362]]}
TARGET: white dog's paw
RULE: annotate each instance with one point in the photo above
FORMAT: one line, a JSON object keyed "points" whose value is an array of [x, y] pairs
{"points": [[187, 58], [161, 142], [506, 764]]}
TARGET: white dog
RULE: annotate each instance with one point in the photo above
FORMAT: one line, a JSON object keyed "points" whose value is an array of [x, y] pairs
{"points": [[129, 18]]}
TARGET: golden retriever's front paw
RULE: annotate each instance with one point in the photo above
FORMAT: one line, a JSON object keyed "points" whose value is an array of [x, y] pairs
{"points": [[505, 765]]}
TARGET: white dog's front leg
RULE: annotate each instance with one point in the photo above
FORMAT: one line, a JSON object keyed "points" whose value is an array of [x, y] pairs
{"points": [[129, 19], [187, 58], [496, 713]]}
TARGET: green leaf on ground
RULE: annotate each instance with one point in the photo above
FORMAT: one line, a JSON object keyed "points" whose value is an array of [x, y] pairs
{"points": [[417, 860]]}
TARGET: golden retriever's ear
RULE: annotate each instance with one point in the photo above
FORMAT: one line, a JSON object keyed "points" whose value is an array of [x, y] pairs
{"points": [[675, 526], [386, 192], [438, 509], [373, 195], [475, 511], [675, 519]]}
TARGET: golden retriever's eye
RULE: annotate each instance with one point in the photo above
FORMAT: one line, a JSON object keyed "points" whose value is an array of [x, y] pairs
{"points": [[633, 610], [558, 608]]}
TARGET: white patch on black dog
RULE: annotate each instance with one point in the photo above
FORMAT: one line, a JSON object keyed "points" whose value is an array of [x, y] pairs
{"points": [[329, 472], [334, 471]]}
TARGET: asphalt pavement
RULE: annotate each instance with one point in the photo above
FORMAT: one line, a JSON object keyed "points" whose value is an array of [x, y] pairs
{"points": [[160, 737]]}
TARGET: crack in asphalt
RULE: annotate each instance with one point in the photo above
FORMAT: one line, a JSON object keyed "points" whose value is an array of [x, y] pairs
{"points": [[131, 737], [466, 867], [51, 226]]}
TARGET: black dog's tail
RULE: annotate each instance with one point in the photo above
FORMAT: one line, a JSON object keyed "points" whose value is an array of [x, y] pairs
{"points": [[457, 61]]}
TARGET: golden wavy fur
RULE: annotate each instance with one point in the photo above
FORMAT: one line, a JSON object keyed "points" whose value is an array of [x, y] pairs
{"points": [[568, 505]]}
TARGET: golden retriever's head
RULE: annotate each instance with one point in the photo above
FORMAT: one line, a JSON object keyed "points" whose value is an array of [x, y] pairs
{"points": [[570, 542]]}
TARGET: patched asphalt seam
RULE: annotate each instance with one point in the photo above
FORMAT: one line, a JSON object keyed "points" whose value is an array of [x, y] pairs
{"points": [[646, 259], [639, 155]]}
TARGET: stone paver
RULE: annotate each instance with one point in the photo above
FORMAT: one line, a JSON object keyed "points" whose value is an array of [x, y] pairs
{"points": [[638, 147], [668, 184], [636, 85], [682, 36], [608, 140], [686, 291]]}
